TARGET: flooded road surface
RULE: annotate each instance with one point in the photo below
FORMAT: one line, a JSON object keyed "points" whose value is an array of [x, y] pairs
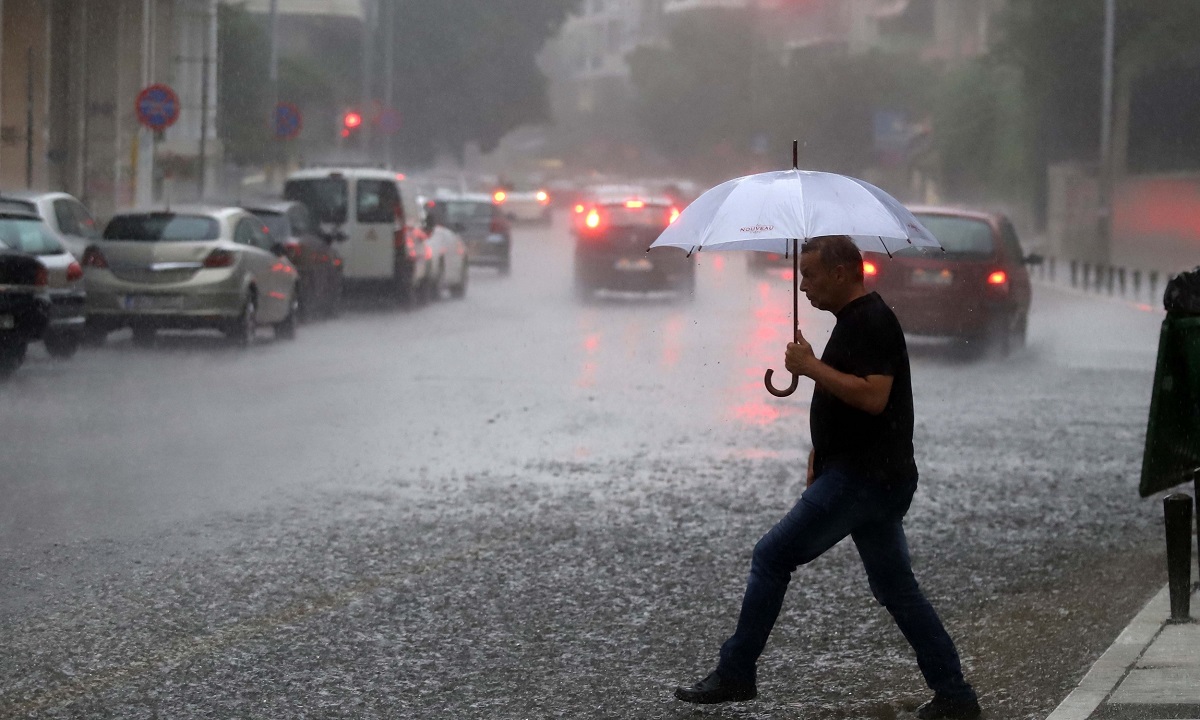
{"points": [[515, 505]]}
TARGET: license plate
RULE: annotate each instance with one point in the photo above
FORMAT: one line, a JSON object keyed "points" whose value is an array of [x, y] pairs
{"points": [[932, 277], [7, 322], [153, 302], [638, 265]]}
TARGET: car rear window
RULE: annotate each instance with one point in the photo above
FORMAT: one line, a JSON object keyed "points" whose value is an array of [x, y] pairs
{"points": [[963, 238], [468, 211], [28, 235], [277, 224], [325, 198], [167, 227], [622, 215]]}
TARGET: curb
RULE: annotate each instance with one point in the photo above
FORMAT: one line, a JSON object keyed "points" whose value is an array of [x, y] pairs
{"points": [[1112, 667]]}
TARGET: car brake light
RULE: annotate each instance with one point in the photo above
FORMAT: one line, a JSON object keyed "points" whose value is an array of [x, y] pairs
{"points": [[219, 259], [92, 257], [673, 216], [42, 278], [400, 238], [997, 278], [293, 249], [869, 269], [635, 204], [74, 272], [593, 219], [542, 197], [499, 196], [579, 209]]}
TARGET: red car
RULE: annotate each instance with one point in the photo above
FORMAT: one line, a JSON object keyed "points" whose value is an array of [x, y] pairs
{"points": [[976, 289]]}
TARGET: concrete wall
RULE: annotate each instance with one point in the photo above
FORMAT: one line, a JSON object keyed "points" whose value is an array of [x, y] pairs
{"points": [[23, 61]]}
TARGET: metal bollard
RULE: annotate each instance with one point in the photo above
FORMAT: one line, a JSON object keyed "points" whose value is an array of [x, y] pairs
{"points": [[1121, 280], [1137, 283], [1074, 273], [1153, 284], [1051, 268], [1108, 281], [1087, 276], [1177, 512]]}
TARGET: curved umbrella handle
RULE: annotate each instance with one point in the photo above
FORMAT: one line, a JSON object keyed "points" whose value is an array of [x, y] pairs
{"points": [[780, 393]]}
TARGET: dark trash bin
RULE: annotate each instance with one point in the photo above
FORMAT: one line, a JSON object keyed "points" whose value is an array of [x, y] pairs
{"points": [[1172, 452]]}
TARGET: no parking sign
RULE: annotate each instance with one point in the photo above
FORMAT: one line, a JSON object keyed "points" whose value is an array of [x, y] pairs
{"points": [[157, 107]]}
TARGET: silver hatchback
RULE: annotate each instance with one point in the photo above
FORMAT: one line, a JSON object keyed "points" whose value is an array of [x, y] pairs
{"points": [[189, 267]]}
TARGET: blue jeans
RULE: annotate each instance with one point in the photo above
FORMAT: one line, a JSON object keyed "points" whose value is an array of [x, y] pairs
{"points": [[837, 504]]}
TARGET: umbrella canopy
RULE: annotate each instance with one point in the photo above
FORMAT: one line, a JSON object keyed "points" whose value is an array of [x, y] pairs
{"points": [[771, 211]]}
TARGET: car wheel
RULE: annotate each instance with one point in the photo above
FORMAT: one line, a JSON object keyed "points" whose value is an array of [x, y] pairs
{"points": [[303, 302], [459, 291], [1019, 333], [12, 354], [61, 344], [241, 330], [335, 298], [94, 334], [286, 329], [143, 335], [506, 264], [433, 288], [999, 337], [404, 292]]}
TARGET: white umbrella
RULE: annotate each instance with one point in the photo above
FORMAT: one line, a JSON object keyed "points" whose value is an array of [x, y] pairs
{"points": [[777, 211]]}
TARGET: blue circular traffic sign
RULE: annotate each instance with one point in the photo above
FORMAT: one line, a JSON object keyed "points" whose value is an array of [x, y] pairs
{"points": [[286, 121], [157, 107]]}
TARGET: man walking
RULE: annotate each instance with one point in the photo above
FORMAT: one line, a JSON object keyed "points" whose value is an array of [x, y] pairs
{"points": [[861, 479]]}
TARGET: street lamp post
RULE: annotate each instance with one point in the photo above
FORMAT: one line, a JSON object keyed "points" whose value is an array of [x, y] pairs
{"points": [[1104, 227]]}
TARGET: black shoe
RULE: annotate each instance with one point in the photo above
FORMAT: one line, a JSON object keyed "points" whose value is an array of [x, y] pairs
{"points": [[715, 689], [943, 707]]}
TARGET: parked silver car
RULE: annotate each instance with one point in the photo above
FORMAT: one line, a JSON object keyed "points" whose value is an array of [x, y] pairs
{"points": [[66, 217], [189, 267], [23, 231]]}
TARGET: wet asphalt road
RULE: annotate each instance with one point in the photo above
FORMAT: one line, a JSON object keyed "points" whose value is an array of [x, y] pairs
{"points": [[515, 506]]}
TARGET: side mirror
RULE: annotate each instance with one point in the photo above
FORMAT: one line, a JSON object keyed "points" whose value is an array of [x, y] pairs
{"points": [[1033, 259]]}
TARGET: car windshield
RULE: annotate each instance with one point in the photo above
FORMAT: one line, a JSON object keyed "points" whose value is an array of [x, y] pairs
{"points": [[962, 238], [167, 227], [28, 235], [325, 197], [468, 211]]}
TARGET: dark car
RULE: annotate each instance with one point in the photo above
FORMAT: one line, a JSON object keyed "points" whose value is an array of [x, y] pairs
{"points": [[611, 237], [315, 256], [23, 230], [977, 289], [483, 225], [24, 307]]}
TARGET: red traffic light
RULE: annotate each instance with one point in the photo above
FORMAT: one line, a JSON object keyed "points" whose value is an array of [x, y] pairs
{"points": [[351, 120]]}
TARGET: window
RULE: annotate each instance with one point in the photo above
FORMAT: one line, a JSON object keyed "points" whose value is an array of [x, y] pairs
{"points": [[162, 226], [378, 202], [298, 218], [243, 234], [1012, 246], [276, 223], [961, 237], [324, 197], [63, 213], [30, 236]]}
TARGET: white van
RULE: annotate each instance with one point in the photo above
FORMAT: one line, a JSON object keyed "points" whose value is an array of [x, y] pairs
{"points": [[363, 210]]}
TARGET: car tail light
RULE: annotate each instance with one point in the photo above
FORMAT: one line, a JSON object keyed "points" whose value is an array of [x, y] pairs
{"points": [[673, 216], [400, 239], [869, 269], [92, 257], [998, 278], [593, 219], [499, 196], [293, 249], [42, 278], [579, 209], [219, 259], [74, 272], [635, 204], [542, 197]]}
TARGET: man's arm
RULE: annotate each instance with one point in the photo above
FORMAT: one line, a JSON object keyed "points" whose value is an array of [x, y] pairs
{"points": [[869, 394]]}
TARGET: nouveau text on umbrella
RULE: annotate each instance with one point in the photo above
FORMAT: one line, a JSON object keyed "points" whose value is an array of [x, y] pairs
{"points": [[777, 211]]}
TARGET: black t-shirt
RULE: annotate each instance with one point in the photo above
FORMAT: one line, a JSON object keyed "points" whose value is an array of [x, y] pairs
{"points": [[867, 340]]}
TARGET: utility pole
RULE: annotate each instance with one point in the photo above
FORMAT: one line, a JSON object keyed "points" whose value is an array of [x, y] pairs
{"points": [[205, 59], [389, 62], [370, 20], [29, 117], [1106, 151], [273, 75]]}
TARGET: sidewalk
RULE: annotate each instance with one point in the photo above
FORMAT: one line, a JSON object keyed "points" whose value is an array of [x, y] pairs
{"points": [[1151, 672]]}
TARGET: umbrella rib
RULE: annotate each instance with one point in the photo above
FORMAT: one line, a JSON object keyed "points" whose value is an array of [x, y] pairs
{"points": [[884, 244]]}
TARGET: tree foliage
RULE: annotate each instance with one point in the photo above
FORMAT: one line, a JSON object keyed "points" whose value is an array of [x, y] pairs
{"points": [[466, 71]]}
